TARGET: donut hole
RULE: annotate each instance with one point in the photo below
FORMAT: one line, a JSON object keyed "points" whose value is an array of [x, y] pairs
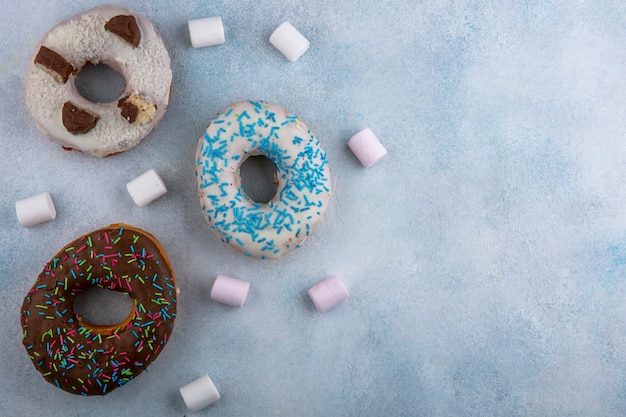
{"points": [[259, 178], [101, 307], [100, 83]]}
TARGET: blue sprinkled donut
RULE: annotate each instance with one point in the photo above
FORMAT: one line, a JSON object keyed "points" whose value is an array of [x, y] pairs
{"points": [[262, 230]]}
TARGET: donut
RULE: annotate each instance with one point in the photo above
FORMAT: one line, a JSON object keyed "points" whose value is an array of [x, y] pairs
{"points": [[87, 359], [121, 39], [262, 230]]}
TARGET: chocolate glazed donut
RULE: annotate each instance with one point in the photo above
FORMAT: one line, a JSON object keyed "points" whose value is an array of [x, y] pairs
{"points": [[86, 359]]}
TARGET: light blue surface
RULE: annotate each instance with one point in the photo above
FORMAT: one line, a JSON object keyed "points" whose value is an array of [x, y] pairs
{"points": [[485, 256]]}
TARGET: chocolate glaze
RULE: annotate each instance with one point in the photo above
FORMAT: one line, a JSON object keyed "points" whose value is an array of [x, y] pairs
{"points": [[77, 120], [126, 28], [52, 61], [129, 110], [94, 360]]}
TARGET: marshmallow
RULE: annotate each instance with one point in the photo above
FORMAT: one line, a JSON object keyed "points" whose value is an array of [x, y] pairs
{"points": [[199, 394], [231, 291], [289, 41], [146, 188], [328, 293], [367, 147], [206, 32], [34, 210]]}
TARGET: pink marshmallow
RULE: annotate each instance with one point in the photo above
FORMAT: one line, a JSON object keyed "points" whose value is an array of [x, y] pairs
{"points": [[231, 291], [367, 147], [328, 293]]}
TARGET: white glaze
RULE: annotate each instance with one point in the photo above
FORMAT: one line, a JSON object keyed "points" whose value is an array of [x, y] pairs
{"points": [[82, 39], [258, 128]]}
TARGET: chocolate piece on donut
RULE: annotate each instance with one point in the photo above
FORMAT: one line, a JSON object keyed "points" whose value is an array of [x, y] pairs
{"points": [[126, 28], [87, 359], [128, 110], [54, 63], [77, 120], [136, 109]]}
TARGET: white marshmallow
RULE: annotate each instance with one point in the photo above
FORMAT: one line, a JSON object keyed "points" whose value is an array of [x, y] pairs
{"points": [[231, 291], [199, 394], [328, 293], [367, 147], [289, 41], [34, 210], [206, 32], [146, 188]]}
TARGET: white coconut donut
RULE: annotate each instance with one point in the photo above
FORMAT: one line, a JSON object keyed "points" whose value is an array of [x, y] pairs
{"points": [[109, 35], [257, 128]]}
